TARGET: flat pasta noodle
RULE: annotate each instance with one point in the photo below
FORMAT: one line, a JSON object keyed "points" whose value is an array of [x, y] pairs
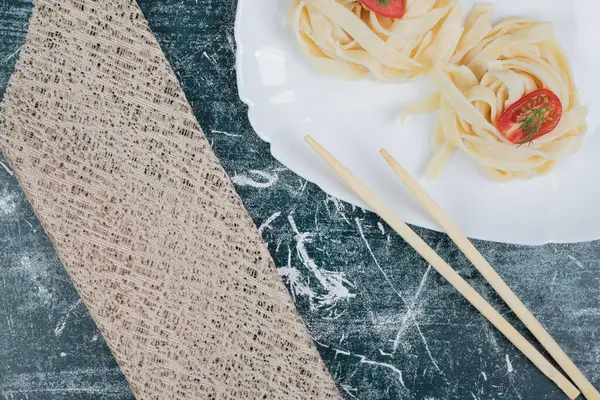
{"points": [[343, 38], [480, 70], [512, 59]]}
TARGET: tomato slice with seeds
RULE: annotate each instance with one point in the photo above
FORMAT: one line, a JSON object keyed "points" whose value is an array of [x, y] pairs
{"points": [[531, 117], [386, 8]]}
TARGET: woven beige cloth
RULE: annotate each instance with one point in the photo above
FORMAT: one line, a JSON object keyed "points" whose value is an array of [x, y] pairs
{"points": [[143, 216]]}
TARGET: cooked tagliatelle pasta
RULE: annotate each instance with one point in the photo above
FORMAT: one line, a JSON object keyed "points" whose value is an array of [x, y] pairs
{"points": [[344, 38], [511, 104]]}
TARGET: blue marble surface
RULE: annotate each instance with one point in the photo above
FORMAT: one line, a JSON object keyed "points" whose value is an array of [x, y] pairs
{"points": [[50, 347], [387, 326]]}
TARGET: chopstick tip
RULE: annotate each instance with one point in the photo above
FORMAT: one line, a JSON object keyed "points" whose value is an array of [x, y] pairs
{"points": [[385, 154], [313, 143]]}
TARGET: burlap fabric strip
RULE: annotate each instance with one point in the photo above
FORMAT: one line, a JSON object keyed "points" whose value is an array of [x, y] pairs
{"points": [[144, 218]]}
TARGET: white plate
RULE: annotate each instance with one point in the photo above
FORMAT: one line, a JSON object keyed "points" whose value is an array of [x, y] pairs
{"points": [[353, 120]]}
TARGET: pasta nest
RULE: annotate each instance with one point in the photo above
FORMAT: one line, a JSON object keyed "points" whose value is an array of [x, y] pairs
{"points": [[343, 38], [514, 58]]}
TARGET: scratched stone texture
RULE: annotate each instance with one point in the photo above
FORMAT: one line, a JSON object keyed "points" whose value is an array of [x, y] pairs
{"points": [[386, 325], [49, 345]]}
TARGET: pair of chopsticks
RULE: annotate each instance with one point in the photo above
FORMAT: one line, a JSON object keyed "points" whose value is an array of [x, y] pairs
{"points": [[465, 245]]}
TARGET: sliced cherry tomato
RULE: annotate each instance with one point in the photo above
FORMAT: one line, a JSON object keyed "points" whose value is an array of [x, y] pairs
{"points": [[386, 8], [531, 117]]}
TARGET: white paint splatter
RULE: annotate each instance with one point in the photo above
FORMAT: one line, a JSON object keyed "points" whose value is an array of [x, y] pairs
{"points": [[267, 223], [7, 59], [225, 133], [365, 360], [334, 283], [29, 268], [211, 59], [30, 225], [553, 283], [380, 226], [484, 375], [383, 353], [242, 180], [230, 41], [387, 279], [298, 285], [44, 295], [63, 355], [349, 389], [6, 168], [293, 224], [302, 186], [8, 203], [339, 207], [62, 323], [385, 365], [296, 281], [409, 313], [344, 352], [576, 261], [509, 366]]}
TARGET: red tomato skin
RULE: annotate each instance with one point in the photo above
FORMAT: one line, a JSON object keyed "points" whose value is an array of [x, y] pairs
{"points": [[395, 8], [510, 116]]}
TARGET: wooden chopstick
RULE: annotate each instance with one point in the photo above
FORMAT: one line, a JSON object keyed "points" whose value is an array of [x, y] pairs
{"points": [[415, 241], [488, 272]]}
